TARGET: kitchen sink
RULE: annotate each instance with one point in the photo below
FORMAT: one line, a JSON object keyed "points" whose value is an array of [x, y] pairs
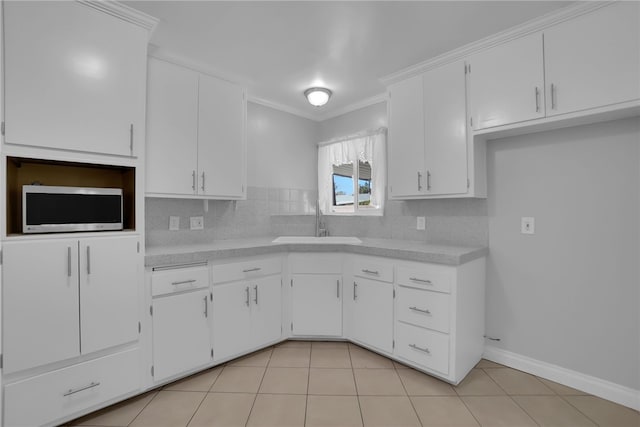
{"points": [[319, 240]]}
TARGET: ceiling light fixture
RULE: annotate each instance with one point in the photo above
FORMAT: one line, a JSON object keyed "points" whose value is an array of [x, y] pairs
{"points": [[317, 96]]}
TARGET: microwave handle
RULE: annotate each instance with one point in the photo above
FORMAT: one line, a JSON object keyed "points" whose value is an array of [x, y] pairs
{"points": [[69, 261], [88, 260]]}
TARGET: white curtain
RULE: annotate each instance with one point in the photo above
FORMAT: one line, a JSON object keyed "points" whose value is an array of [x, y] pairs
{"points": [[369, 146]]}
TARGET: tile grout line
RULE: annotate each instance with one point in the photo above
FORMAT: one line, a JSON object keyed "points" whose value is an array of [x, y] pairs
{"points": [[306, 400], [355, 384], [143, 408], [255, 397], [407, 393], [578, 409]]}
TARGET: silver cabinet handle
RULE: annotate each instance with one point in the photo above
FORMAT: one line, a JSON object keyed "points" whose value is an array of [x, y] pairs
{"points": [[428, 181], [419, 181], [370, 272], [78, 390], [553, 96], [249, 270], [355, 295], [419, 310], [247, 301], [193, 181], [183, 282], [69, 261], [88, 259], [203, 181], [337, 288], [131, 138], [537, 92], [415, 279], [206, 307], [424, 350], [255, 288]]}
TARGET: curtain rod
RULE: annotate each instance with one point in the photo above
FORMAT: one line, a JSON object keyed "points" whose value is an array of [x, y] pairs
{"points": [[361, 134]]}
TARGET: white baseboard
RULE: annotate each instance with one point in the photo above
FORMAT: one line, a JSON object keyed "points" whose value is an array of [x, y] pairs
{"points": [[598, 387]]}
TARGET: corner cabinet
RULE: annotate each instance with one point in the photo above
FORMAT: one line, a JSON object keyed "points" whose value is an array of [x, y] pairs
{"points": [[82, 85], [196, 142]]}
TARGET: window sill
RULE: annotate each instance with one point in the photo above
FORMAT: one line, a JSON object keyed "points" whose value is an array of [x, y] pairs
{"points": [[377, 212]]}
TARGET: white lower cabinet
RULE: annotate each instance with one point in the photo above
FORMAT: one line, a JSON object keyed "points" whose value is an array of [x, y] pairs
{"points": [[372, 313], [423, 347]]}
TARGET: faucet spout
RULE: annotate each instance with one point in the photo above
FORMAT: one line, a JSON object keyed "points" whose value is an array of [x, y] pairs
{"points": [[321, 231]]}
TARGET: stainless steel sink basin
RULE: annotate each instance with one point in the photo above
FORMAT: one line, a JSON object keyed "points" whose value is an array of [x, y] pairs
{"points": [[318, 240]]}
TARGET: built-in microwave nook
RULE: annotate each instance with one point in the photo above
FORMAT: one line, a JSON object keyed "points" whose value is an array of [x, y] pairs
{"points": [[26, 171]]}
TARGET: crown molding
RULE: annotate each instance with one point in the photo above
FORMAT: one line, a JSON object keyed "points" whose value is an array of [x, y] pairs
{"points": [[124, 12], [283, 108], [463, 52], [381, 97]]}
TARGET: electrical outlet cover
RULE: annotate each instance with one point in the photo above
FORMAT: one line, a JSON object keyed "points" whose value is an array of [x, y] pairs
{"points": [[527, 225], [420, 223], [196, 223], [174, 223]]}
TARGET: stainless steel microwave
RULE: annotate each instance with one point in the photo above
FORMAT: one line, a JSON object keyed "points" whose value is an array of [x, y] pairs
{"points": [[48, 209]]}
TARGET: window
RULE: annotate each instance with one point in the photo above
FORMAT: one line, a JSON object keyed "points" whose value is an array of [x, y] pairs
{"points": [[351, 175]]}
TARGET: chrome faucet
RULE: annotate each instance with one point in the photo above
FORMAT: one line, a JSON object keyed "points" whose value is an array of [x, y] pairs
{"points": [[321, 230]]}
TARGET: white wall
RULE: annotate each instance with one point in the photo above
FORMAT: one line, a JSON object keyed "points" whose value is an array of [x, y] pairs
{"points": [[281, 149], [568, 295], [371, 117]]}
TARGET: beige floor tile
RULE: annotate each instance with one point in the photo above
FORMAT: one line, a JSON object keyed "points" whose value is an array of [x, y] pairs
{"points": [[285, 381], [338, 382], [120, 414], [484, 363], [497, 411], [290, 357], [398, 365], [333, 411], [224, 410], [552, 411], [258, 358], [478, 383], [517, 382], [239, 379], [388, 411], [378, 382], [329, 344], [169, 409], [440, 411], [361, 358], [278, 410], [418, 384], [202, 381], [330, 357], [562, 390], [605, 413], [294, 344]]}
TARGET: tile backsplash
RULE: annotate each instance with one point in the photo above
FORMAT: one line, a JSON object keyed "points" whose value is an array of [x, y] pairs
{"points": [[289, 211]]}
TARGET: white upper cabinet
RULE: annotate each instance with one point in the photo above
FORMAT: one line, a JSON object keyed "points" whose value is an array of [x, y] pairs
{"points": [[196, 144], [507, 83], [406, 138], [74, 78], [445, 129], [594, 59]]}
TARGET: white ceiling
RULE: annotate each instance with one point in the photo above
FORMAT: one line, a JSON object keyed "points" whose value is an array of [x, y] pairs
{"points": [[279, 49]]}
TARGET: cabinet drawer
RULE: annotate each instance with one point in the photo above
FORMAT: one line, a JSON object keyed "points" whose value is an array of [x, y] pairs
{"points": [[246, 269], [423, 308], [427, 276], [373, 269], [54, 395], [179, 279], [422, 346], [316, 263]]}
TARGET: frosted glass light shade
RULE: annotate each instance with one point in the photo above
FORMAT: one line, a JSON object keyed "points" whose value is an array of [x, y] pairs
{"points": [[317, 96]]}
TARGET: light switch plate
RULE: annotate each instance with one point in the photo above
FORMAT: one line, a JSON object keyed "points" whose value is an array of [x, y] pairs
{"points": [[196, 223], [528, 225], [420, 223], [174, 223]]}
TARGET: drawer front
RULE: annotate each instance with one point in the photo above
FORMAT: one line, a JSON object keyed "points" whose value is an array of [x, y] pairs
{"points": [[427, 276], [315, 263], [423, 347], [49, 397], [179, 279], [246, 269], [423, 308], [373, 269]]}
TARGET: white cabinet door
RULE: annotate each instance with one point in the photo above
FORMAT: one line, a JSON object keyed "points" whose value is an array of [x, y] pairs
{"points": [[445, 129], [266, 310], [406, 138], [172, 115], [39, 303], [231, 319], [74, 78], [221, 141], [594, 59], [372, 321], [317, 304], [109, 278], [181, 334], [507, 82]]}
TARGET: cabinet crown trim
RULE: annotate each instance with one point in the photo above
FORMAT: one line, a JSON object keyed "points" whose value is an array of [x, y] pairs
{"points": [[532, 26], [125, 13]]}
